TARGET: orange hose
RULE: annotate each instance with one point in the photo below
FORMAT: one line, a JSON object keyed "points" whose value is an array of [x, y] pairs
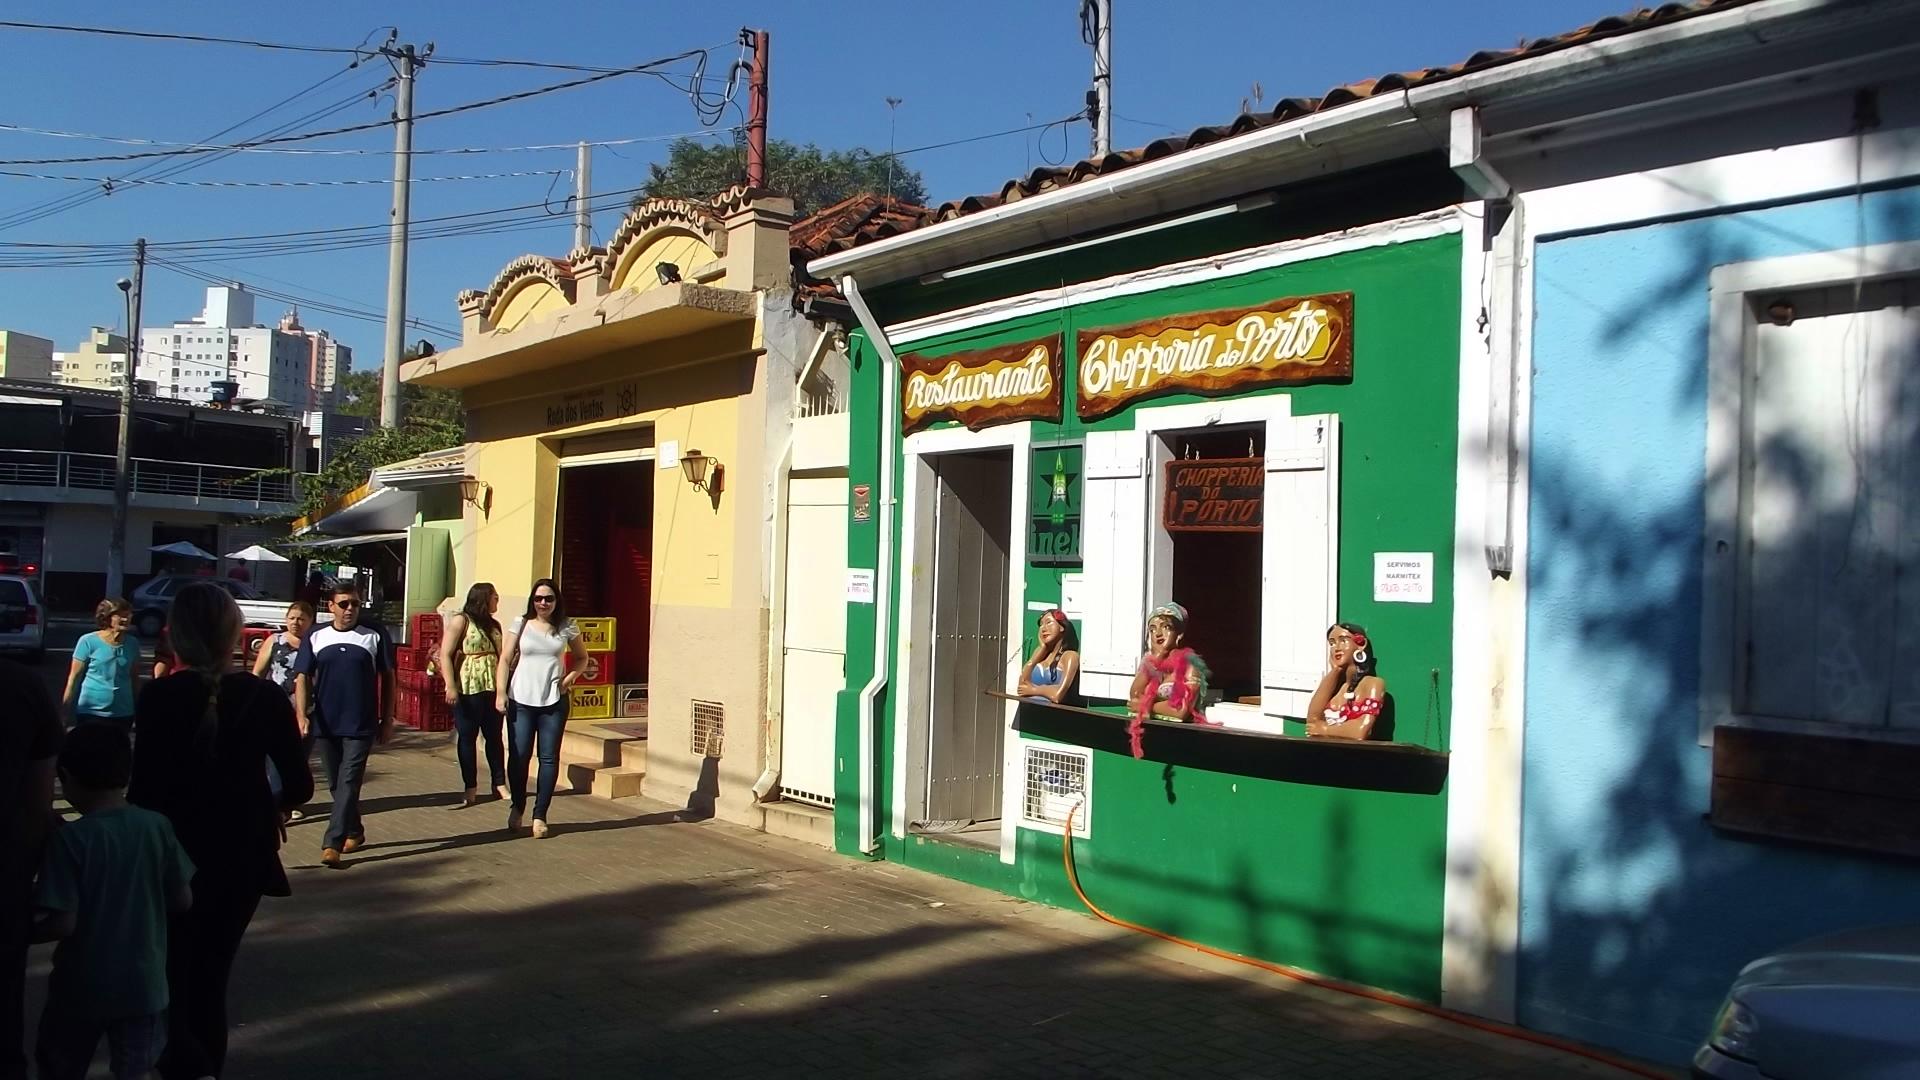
{"points": [[1384, 997]]}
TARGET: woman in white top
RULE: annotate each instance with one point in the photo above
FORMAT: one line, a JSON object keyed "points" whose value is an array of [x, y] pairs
{"points": [[532, 692]]}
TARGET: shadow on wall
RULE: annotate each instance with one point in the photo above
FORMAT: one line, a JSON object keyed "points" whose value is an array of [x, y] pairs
{"points": [[1635, 913]]}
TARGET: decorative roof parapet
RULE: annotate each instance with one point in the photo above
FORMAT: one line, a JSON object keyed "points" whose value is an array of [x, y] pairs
{"points": [[471, 302], [555, 272]]}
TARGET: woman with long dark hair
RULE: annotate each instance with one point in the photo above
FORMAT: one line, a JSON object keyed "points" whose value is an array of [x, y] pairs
{"points": [[532, 691], [469, 662], [1052, 673], [1351, 695], [203, 737]]}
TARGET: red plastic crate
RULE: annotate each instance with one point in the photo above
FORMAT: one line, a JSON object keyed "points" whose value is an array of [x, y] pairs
{"points": [[410, 658]]}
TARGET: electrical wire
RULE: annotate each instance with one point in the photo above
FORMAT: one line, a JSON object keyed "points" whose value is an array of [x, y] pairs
{"points": [[311, 151], [361, 314], [1081, 115], [110, 183], [452, 110]]}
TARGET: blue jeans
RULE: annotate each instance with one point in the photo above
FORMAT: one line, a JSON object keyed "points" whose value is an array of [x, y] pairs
{"points": [[549, 722], [346, 763]]}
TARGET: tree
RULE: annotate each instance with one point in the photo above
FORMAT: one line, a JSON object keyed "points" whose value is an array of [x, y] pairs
{"points": [[813, 178], [359, 395], [432, 418]]}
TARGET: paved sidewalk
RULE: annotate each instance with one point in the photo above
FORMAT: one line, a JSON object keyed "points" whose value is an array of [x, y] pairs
{"points": [[633, 944]]}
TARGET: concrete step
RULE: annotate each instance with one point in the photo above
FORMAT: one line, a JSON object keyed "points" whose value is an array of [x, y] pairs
{"points": [[605, 781], [633, 755], [798, 821], [589, 745]]}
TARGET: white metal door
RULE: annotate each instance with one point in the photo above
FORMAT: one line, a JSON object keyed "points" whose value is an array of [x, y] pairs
{"points": [[816, 635]]}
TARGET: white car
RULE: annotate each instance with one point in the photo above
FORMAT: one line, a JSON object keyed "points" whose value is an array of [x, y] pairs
{"points": [[23, 618], [1841, 1007]]}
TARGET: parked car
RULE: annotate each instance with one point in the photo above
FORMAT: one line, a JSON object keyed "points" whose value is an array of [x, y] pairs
{"points": [[1838, 1007], [23, 619], [154, 598], [12, 563]]}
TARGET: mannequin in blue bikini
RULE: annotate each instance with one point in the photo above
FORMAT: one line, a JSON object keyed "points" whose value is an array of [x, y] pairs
{"points": [[1052, 673]]}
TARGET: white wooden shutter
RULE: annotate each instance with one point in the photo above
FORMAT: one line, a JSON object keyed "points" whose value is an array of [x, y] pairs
{"points": [[1300, 538], [1113, 554]]}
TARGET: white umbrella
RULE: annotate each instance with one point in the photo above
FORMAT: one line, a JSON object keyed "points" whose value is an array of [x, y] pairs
{"points": [[183, 549], [256, 553]]}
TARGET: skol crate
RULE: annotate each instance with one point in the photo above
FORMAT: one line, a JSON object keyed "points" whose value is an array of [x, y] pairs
{"points": [[591, 703], [598, 634]]}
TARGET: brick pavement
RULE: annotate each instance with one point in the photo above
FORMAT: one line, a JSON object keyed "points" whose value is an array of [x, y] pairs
{"points": [[632, 943]]}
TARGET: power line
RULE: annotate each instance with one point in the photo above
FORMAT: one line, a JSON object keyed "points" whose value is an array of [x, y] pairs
{"points": [[360, 314], [111, 183], [1081, 115], [367, 152], [452, 110], [280, 46]]}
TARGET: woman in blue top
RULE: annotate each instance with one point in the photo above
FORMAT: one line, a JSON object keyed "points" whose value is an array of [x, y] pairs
{"points": [[1052, 674], [105, 662]]}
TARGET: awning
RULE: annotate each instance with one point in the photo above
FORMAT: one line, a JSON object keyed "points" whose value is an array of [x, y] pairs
{"points": [[343, 541]]}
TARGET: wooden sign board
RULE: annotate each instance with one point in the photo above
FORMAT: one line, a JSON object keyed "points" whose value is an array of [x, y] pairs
{"points": [[982, 388], [1287, 342], [1216, 495]]}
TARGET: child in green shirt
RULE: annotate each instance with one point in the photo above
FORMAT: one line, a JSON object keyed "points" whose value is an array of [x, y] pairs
{"points": [[106, 888]]}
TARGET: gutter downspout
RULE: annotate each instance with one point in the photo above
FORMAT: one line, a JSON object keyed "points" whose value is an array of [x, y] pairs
{"points": [[777, 576], [883, 576]]}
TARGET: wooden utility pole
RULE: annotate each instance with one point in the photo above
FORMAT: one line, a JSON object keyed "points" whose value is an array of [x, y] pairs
{"points": [[757, 108]]}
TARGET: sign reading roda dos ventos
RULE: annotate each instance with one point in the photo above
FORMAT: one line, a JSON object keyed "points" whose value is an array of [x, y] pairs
{"points": [[1216, 495], [989, 386], [1300, 339]]}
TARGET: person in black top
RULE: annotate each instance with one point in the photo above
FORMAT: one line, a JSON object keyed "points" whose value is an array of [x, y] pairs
{"points": [[29, 740], [343, 692], [203, 736]]}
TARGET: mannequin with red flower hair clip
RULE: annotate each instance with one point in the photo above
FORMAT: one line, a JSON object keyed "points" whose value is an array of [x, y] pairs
{"points": [[1348, 701]]}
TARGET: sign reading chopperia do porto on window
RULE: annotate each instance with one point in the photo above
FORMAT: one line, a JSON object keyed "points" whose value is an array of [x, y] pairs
{"points": [[1296, 340], [989, 386], [1216, 495]]}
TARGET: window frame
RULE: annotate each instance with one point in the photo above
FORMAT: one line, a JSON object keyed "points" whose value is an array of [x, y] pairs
{"points": [[1729, 369]]}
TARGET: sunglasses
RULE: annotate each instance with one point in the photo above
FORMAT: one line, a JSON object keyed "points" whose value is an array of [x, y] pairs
{"points": [[546, 599], [348, 604]]}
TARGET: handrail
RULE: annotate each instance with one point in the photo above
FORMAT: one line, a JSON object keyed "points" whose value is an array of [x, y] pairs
{"points": [[149, 476]]}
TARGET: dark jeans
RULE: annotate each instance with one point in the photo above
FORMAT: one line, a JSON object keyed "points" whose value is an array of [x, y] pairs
{"points": [[549, 722], [201, 945], [345, 760], [476, 716]]}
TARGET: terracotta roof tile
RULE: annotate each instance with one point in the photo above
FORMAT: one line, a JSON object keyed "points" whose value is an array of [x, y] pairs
{"points": [[852, 233]]}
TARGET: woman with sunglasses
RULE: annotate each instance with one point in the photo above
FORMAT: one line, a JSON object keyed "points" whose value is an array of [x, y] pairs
{"points": [[532, 692]]}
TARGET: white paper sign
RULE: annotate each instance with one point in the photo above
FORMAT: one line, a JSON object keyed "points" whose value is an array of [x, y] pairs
{"points": [[669, 455], [859, 586], [1071, 588], [1403, 577]]}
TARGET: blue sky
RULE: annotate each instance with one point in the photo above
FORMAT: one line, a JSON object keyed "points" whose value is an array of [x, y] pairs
{"points": [[961, 70]]}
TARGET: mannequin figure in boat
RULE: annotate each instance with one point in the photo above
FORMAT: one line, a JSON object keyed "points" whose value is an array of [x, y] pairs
{"points": [[1052, 674], [1348, 701], [1171, 683]]}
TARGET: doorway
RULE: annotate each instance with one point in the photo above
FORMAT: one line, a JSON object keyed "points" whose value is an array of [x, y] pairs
{"points": [[972, 551], [605, 554], [1216, 564]]}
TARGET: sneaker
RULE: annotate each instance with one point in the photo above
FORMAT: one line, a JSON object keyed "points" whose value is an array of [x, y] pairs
{"points": [[539, 829], [330, 858], [353, 844]]}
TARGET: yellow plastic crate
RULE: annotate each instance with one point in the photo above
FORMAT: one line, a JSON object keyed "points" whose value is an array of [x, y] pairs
{"points": [[590, 703]]}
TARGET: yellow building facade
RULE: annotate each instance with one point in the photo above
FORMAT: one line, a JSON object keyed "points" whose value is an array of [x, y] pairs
{"points": [[599, 387]]}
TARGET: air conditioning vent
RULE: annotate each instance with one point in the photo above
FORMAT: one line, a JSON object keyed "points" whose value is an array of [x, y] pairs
{"points": [[709, 729], [1058, 783]]}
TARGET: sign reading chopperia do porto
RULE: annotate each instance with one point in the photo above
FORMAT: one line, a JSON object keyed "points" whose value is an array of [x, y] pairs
{"points": [[1216, 495], [1295, 340], [989, 386]]}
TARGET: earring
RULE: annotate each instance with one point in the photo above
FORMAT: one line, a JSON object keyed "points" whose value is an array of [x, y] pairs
{"points": [[1360, 656]]}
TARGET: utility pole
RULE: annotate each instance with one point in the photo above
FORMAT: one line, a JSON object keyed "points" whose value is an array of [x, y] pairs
{"points": [[1096, 29], [123, 447], [405, 63], [756, 108], [582, 188], [893, 112]]}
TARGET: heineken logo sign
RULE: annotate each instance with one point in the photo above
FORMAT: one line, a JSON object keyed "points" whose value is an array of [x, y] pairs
{"points": [[1291, 341], [981, 388]]}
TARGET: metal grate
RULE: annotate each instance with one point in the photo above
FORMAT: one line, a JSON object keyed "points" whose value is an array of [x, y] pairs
{"points": [[709, 729], [825, 802], [1058, 779]]}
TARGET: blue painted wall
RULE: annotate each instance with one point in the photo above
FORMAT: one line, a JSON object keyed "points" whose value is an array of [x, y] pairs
{"points": [[1634, 915]]}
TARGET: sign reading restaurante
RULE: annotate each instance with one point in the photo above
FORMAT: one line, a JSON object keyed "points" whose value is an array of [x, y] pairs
{"points": [[990, 386], [1295, 340]]}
